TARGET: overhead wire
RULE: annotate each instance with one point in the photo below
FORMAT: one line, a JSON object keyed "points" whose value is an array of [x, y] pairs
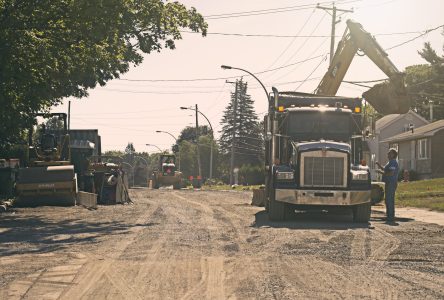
{"points": [[219, 78], [415, 38], [293, 40], [294, 36], [302, 45], [269, 11], [311, 73]]}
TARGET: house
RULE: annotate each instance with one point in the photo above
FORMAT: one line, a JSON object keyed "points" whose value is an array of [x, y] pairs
{"points": [[421, 150], [387, 127]]}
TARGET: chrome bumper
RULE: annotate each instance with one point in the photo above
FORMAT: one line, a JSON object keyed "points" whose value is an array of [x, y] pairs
{"points": [[322, 197]]}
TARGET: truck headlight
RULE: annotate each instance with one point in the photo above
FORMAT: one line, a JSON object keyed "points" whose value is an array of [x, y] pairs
{"points": [[359, 175], [284, 175]]}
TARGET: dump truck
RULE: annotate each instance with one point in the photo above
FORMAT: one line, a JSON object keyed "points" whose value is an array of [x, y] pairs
{"points": [[167, 173], [49, 177], [314, 142], [313, 150]]}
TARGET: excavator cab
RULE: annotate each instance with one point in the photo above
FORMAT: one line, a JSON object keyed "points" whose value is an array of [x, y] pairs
{"points": [[48, 145]]}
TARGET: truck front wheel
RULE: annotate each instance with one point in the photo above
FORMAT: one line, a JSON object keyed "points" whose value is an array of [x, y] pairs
{"points": [[362, 212], [276, 210], [155, 184]]}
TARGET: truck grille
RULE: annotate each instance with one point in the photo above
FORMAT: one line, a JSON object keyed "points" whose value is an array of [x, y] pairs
{"points": [[324, 171]]}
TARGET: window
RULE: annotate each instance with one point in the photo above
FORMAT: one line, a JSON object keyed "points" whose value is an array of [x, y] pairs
{"points": [[422, 148]]}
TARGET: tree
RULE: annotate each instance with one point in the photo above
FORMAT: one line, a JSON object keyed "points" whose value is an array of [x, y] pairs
{"points": [[425, 84], [189, 133], [248, 141], [188, 151], [52, 49]]}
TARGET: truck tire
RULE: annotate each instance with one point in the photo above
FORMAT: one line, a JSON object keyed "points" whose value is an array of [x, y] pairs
{"points": [[276, 210], [362, 212], [177, 186], [155, 184], [377, 194]]}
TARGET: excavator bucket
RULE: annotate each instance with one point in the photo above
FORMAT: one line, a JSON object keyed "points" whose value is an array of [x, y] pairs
{"points": [[388, 98], [47, 185]]}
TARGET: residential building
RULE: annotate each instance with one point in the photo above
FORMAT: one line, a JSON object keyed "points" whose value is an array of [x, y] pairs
{"points": [[421, 150], [386, 127]]}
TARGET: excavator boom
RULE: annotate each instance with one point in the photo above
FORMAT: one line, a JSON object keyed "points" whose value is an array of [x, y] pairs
{"points": [[388, 97]]}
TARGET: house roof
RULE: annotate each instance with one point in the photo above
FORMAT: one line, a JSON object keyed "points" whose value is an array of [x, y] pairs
{"points": [[388, 119], [385, 120], [423, 131]]}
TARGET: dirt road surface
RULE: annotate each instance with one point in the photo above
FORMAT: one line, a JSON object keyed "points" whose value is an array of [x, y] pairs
{"points": [[213, 245]]}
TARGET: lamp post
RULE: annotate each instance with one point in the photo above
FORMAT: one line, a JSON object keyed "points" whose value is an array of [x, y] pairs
{"points": [[248, 72], [161, 131], [212, 137], [152, 145]]}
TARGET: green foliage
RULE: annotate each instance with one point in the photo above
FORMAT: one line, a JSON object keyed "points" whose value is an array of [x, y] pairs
{"points": [[422, 193], [251, 175], [52, 49], [188, 158], [425, 84], [248, 141], [189, 133]]}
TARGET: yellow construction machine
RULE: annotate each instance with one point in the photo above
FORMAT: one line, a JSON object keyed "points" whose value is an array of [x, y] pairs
{"points": [[49, 178], [167, 173], [389, 97]]}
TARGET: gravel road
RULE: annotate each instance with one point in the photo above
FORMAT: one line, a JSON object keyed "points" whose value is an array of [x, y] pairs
{"points": [[213, 245]]}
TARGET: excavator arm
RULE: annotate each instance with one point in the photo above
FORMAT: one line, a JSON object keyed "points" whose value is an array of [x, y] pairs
{"points": [[387, 98]]}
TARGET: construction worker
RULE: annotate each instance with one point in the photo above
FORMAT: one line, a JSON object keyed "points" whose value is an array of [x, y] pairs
{"points": [[390, 177]]}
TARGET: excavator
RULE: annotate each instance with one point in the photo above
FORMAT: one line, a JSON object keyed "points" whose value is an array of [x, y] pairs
{"points": [[49, 178], [389, 97]]}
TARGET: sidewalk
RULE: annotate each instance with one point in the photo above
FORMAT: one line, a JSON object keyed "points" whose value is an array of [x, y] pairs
{"points": [[422, 215]]}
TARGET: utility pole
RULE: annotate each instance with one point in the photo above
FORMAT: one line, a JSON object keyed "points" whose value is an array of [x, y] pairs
{"points": [[69, 115], [333, 14], [431, 110], [197, 142], [233, 134]]}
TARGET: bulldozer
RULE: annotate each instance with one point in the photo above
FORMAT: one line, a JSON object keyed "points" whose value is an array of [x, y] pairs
{"points": [[49, 177], [167, 174]]}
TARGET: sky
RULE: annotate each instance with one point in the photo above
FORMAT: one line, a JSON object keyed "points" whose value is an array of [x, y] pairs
{"points": [[132, 108]]}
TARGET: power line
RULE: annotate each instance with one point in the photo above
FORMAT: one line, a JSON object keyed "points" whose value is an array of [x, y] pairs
{"points": [[294, 39], [219, 78], [294, 36], [415, 38], [268, 11], [159, 92], [259, 12], [312, 53], [261, 35], [314, 70]]}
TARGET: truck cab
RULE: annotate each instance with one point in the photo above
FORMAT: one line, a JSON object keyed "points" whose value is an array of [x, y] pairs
{"points": [[313, 155]]}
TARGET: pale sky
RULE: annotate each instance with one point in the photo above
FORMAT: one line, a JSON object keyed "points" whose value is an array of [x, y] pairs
{"points": [[131, 111]]}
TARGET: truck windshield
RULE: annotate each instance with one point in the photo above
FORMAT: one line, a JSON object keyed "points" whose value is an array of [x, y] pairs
{"points": [[315, 125]]}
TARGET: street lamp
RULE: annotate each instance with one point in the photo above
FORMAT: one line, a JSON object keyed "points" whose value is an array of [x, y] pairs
{"points": [[254, 76], [161, 131], [212, 137], [154, 146]]}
